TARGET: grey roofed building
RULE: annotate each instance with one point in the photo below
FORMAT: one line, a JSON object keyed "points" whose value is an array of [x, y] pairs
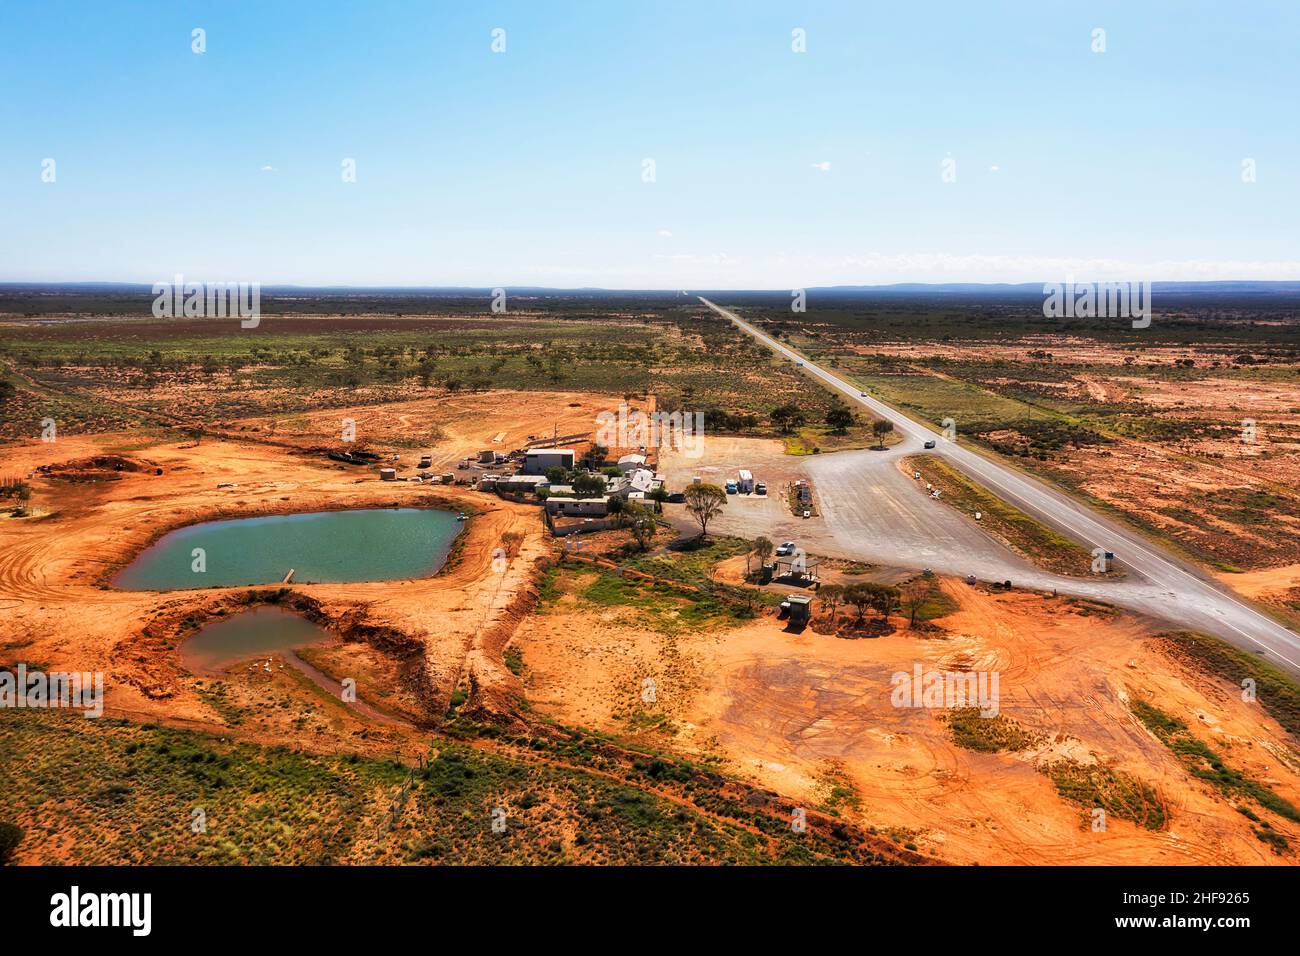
{"points": [[587, 507], [520, 482], [537, 460], [642, 479]]}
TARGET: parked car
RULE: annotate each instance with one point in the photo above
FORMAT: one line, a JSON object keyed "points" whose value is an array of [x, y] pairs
{"points": [[930, 443], [676, 497], [731, 487], [785, 548], [760, 488]]}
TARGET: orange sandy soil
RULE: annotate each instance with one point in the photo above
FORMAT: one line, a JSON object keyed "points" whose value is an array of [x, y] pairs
{"points": [[437, 632], [800, 713], [1143, 476], [454, 426], [1065, 350], [408, 644], [1271, 458], [788, 712], [1277, 587], [829, 571]]}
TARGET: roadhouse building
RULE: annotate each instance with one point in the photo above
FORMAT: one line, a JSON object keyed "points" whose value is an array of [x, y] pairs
{"points": [[537, 460]]}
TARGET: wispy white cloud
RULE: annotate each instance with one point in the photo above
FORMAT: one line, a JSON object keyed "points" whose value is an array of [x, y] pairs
{"points": [[824, 166]]}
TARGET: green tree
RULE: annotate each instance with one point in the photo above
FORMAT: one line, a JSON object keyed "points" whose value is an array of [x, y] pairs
{"points": [[860, 597], [831, 595], [884, 598], [914, 595], [704, 502], [589, 484], [787, 417], [642, 523], [880, 428], [839, 419], [763, 548]]}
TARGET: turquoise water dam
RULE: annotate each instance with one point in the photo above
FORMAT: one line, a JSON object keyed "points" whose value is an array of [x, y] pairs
{"points": [[369, 544]]}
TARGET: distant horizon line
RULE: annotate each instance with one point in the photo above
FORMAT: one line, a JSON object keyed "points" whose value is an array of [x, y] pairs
{"points": [[1156, 284]]}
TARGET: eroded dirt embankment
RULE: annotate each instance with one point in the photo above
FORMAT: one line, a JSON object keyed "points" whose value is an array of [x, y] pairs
{"points": [[57, 608], [159, 674]]}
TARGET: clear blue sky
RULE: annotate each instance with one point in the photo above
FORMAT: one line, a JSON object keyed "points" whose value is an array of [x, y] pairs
{"points": [[524, 168]]}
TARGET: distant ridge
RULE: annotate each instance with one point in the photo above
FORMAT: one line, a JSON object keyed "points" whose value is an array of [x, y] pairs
{"points": [[995, 289], [1215, 287]]}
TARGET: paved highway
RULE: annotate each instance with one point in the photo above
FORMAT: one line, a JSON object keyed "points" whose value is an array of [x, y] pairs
{"points": [[1158, 583]]}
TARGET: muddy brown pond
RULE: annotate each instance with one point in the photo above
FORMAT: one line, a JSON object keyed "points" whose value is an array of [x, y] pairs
{"points": [[264, 634]]}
